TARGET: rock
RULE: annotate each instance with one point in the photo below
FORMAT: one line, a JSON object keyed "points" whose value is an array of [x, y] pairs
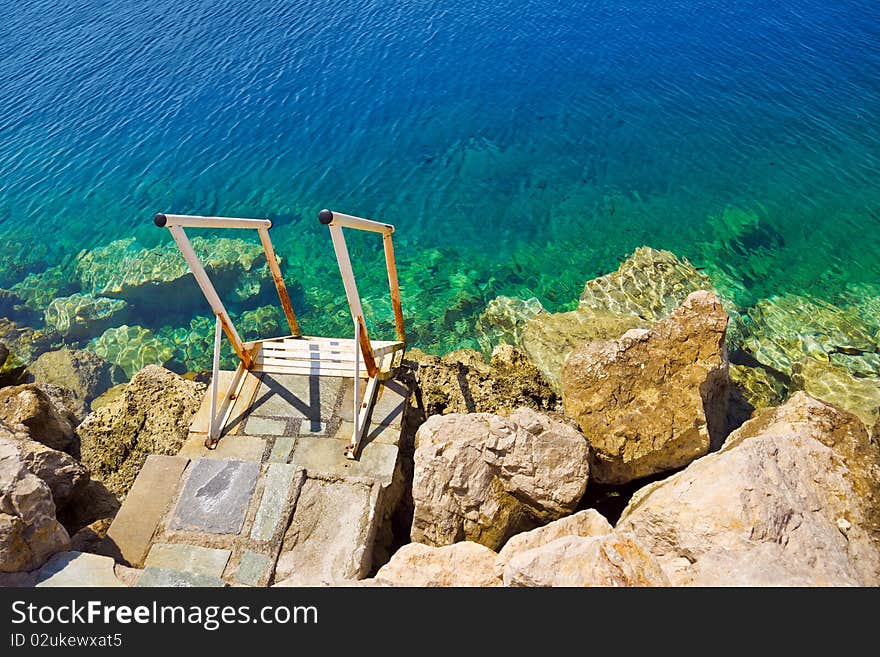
{"points": [[89, 537], [81, 316], [783, 329], [63, 474], [612, 559], [646, 287], [132, 348], [29, 406], [585, 523], [24, 343], [151, 417], [12, 306], [112, 394], [503, 320], [84, 373], [159, 276], [793, 498], [459, 564], [462, 382], [483, 478], [29, 532], [549, 338], [655, 399], [37, 290], [834, 384]]}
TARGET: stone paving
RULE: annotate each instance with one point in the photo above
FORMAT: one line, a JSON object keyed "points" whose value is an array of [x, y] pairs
{"points": [[276, 500]]}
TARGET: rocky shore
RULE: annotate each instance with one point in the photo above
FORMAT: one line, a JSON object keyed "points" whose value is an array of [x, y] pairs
{"points": [[742, 445]]}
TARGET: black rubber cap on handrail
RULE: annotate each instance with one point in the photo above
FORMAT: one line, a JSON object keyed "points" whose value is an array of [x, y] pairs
{"points": [[325, 217], [160, 220]]}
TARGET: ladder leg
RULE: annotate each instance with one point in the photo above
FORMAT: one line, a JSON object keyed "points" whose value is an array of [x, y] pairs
{"points": [[361, 419]]}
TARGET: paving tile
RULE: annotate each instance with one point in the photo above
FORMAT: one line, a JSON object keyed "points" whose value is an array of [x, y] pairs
{"points": [[235, 447], [150, 497], [281, 449], [164, 578], [312, 428], [254, 569], [388, 409], [264, 426], [188, 558], [327, 456], [277, 486], [216, 496], [377, 433], [297, 396], [66, 569]]}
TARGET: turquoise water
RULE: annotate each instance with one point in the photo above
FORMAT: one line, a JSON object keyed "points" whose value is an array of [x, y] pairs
{"points": [[520, 148]]}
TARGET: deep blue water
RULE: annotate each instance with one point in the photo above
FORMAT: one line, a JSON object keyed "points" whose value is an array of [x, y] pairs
{"points": [[519, 147]]}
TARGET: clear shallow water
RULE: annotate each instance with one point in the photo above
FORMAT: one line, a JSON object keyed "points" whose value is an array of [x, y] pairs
{"points": [[519, 147]]}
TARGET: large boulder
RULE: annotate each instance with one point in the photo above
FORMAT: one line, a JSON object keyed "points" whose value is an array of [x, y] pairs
{"points": [[151, 417], [81, 316], [646, 287], [29, 532], [833, 383], [483, 478], [29, 406], [460, 564], [84, 373], [793, 498], [653, 400], [63, 474], [613, 559], [463, 382]]}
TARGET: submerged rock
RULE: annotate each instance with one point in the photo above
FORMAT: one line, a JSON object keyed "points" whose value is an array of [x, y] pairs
{"points": [[752, 388], [793, 498], [29, 532], [463, 382], [459, 564], [834, 384], [32, 408], [82, 316], [160, 275], [482, 477], [783, 329], [37, 290], [655, 399], [24, 343], [503, 320], [132, 348], [151, 416], [549, 338], [84, 373], [612, 559]]}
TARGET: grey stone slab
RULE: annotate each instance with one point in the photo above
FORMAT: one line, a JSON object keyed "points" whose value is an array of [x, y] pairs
{"points": [[189, 558], [66, 569], [131, 533], [234, 447], [281, 449], [216, 496], [254, 569], [377, 433], [264, 426], [297, 396], [277, 487], [327, 456], [331, 534], [153, 577], [389, 406], [312, 428]]}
